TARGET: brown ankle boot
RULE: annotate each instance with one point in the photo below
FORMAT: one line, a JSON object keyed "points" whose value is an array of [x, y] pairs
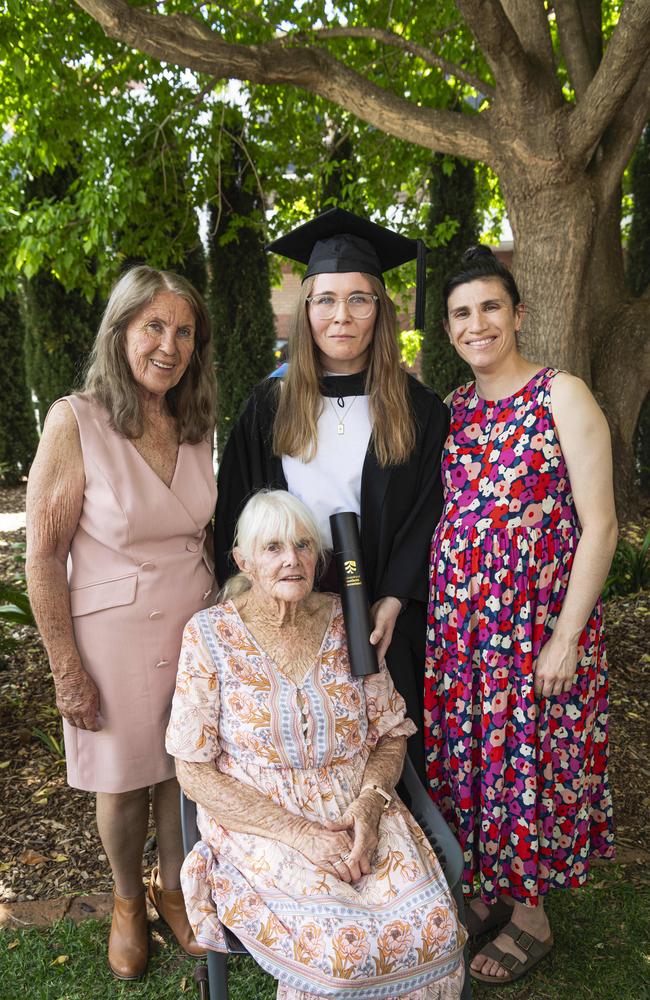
{"points": [[128, 944], [171, 907]]}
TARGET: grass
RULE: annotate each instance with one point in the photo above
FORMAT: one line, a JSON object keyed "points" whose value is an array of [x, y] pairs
{"points": [[602, 936], [602, 944], [68, 962]]}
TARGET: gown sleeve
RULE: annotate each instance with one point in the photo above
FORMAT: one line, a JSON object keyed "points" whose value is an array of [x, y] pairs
{"points": [[385, 708], [193, 730], [247, 465], [406, 575]]}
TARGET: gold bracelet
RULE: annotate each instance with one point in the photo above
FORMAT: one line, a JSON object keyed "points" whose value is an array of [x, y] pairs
{"points": [[380, 791]]}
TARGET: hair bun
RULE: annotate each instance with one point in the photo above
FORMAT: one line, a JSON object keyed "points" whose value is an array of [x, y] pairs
{"points": [[478, 250]]}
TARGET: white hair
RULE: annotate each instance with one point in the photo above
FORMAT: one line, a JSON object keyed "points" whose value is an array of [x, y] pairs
{"points": [[271, 516]]}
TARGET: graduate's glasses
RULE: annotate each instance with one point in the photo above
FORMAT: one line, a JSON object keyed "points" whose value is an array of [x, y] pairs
{"points": [[360, 305]]}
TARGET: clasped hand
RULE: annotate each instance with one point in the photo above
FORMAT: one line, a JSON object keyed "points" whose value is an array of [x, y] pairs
{"points": [[344, 847]]}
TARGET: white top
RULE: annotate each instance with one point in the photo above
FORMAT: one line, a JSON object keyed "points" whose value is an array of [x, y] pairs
{"points": [[331, 482]]}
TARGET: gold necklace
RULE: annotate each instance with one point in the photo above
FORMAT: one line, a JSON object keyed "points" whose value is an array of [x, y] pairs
{"points": [[341, 418]]}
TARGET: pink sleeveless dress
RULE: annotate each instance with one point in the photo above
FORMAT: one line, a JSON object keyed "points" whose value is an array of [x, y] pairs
{"points": [[137, 572]]}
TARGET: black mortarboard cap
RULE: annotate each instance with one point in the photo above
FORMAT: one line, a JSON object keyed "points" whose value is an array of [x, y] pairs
{"points": [[338, 241]]}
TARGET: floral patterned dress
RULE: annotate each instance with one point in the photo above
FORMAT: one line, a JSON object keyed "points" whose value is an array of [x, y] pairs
{"points": [[522, 781], [305, 746]]}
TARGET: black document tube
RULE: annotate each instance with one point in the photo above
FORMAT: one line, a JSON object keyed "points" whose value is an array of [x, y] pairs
{"points": [[354, 593]]}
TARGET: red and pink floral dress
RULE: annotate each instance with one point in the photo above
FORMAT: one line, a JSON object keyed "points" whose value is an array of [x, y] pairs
{"points": [[522, 781]]}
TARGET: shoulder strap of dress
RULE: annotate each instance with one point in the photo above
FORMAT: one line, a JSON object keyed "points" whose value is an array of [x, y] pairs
{"points": [[81, 405], [72, 400], [461, 393], [545, 376]]}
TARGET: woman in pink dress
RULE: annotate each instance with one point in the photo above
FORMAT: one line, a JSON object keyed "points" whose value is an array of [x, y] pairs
{"points": [[306, 853], [119, 496], [516, 676]]}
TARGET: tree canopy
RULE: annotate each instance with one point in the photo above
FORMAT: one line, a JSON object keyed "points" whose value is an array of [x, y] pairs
{"points": [[550, 96], [146, 140]]}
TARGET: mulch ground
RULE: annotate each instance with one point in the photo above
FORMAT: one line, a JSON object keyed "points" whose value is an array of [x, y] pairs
{"points": [[48, 838]]}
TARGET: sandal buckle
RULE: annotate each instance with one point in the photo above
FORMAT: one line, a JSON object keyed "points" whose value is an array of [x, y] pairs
{"points": [[525, 940], [508, 961]]}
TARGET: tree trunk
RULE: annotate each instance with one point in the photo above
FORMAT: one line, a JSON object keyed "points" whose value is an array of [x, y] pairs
{"points": [[621, 385], [569, 269], [553, 230]]}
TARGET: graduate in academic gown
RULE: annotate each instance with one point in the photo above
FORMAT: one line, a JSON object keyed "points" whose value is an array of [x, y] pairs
{"points": [[347, 429]]}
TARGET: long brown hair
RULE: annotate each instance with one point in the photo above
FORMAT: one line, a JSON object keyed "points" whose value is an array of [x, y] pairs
{"points": [[295, 428], [109, 379]]}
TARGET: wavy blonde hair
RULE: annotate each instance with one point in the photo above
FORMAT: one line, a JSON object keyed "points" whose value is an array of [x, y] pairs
{"points": [[271, 516], [295, 427], [109, 379]]}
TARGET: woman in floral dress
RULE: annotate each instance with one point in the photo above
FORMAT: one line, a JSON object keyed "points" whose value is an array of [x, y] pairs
{"points": [[516, 676], [306, 854]]}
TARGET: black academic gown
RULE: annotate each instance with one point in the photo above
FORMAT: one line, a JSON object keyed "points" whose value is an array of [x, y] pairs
{"points": [[400, 507]]}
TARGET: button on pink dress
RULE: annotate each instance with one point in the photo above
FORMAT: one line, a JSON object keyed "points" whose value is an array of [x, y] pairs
{"points": [[137, 572]]}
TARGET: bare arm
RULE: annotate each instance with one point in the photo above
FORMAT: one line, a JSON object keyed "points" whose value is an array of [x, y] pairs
{"points": [[383, 768], [384, 765], [236, 806], [584, 437], [54, 501], [243, 809]]}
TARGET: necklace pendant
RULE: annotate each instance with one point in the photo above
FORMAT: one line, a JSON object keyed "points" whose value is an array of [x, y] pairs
{"points": [[340, 428]]}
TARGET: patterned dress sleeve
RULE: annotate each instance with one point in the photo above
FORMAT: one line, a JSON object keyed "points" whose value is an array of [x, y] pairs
{"points": [[385, 708], [193, 730]]}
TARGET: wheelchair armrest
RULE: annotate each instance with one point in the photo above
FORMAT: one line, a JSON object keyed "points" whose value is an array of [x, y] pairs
{"points": [[431, 820], [191, 835], [189, 828]]}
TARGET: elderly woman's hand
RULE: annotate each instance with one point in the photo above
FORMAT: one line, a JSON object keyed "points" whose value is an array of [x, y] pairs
{"points": [[324, 847], [77, 698], [362, 819]]}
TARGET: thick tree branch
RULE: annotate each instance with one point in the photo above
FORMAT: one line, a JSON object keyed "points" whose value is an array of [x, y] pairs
{"points": [[530, 21], [574, 45], [499, 42], [624, 59], [180, 39], [591, 12], [406, 45], [620, 139]]}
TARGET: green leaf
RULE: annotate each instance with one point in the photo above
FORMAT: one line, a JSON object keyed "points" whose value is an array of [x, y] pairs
{"points": [[18, 65]]}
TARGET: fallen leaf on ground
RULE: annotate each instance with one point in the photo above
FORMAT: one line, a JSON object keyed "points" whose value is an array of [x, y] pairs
{"points": [[60, 960], [32, 858]]}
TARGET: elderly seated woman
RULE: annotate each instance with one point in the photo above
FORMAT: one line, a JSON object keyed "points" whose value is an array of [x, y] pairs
{"points": [[307, 855]]}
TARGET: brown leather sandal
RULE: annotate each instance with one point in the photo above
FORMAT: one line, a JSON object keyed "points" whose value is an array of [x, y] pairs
{"points": [[534, 949], [499, 913]]}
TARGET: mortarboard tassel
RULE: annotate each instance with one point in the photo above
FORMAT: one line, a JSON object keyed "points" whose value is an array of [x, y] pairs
{"points": [[420, 284]]}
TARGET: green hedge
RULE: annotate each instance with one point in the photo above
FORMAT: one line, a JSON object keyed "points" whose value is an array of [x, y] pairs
{"points": [[18, 437]]}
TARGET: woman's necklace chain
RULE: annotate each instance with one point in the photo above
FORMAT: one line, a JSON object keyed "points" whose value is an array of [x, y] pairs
{"points": [[341, 417]]}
